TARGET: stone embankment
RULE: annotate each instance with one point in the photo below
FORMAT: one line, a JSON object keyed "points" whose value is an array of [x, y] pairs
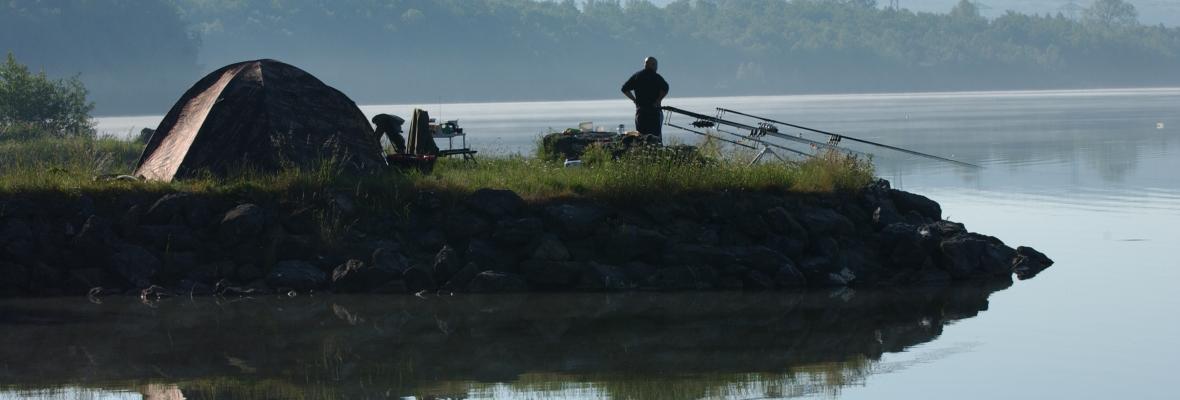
{"points": [[491, 241]]}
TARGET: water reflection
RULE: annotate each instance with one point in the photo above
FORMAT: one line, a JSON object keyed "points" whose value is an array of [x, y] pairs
{"points": [[548, 345]]}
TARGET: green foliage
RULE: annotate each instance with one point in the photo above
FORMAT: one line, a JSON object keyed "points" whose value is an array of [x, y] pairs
{"points": [[33, 105], [1112, 13]]}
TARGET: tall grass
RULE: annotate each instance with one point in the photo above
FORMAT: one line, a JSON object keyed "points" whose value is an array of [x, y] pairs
{"points": [[73, 164]]}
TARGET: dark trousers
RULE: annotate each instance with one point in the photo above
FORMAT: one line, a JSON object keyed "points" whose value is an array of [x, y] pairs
{"points": [[650, 121]]}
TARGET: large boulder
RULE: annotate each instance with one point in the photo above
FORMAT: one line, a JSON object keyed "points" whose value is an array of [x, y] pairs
{"points": [[825, 221], [553, 274], [906, 201], [246, 221], [296, 275], [135, 264], [495, 203], [518, 231], [551, 248], [576, 220], [356, 276], [447, 262], [1029, 262], [496, 282], [686, 277], [602, 277], [971, 255], [628, 242]]}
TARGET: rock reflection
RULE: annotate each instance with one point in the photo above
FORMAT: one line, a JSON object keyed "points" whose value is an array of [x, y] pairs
{"points": [[571, 345]]}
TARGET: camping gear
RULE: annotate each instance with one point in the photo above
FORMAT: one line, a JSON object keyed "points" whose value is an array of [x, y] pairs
{"points": [[421, 138], [261, 115], [449, 130]]}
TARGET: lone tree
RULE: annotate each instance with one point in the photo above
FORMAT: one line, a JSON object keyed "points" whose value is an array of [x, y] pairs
{"points": [[1112, 13], [32, 105]]}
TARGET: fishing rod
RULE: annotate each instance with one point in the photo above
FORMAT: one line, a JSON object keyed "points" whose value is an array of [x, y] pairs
{"points": [[765, 149], [756, 132], [764, 144], [837, 137]]}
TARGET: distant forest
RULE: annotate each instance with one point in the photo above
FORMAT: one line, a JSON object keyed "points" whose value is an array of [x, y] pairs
{"points": [[138, 56]]}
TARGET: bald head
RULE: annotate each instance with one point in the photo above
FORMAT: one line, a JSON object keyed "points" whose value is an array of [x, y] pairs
{"points": [[651, 63]]}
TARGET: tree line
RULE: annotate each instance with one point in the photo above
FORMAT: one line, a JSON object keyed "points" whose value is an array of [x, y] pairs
{"points": [[139, 56]]}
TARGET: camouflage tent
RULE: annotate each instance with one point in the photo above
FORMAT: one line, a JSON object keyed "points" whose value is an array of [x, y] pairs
{"points": [[262, 115]]}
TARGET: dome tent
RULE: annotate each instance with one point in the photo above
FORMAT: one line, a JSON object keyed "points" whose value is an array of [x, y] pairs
{"points": [[262, 115]]}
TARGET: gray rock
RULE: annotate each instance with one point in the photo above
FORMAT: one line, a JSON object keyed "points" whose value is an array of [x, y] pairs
{"points": [[495, 203], [971, 255], [447, 262], [824, 221], [14, 278], [296, 275], [819, 271], [684, 278], [518, 231], [490, 257], [551, 274], [1029, 262], [79, 281], [170, 237], [789, 247], [788, 276], [884, 216], [459, 281], [419, 278], [942, 229], [169, 209], [388, 256], [246, 221], [462, 225], [628, 242], [688, 254], [355, 276], [212, 272], [755, 280], [576, 220], [780, 221], [302, 221], [752, 225], [906, 201], [135, 265], [602, 277], [760, 258], [496, 282], [551, 248]]}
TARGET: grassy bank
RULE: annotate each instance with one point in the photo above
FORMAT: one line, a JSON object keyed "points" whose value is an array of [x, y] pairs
{"points": [[71, 165]]}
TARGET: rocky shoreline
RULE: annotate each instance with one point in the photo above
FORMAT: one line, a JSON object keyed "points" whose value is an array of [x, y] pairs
{"points": [[489, 241]]}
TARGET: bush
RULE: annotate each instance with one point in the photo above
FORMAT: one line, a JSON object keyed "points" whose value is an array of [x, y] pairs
{"points": [[34, 106]]}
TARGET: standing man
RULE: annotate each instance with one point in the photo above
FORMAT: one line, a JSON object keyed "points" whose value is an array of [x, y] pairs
{"points": [[647, 89]]}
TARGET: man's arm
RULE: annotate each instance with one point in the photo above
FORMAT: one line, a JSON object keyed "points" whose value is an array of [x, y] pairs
{"points": [[629, 88], [663, 91]]}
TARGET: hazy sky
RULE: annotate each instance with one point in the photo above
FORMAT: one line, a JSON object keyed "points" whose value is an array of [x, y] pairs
{"points": [[1151, 12]]}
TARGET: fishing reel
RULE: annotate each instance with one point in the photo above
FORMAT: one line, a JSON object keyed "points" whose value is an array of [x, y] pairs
{"points": [[703, 124], [763, 129]]}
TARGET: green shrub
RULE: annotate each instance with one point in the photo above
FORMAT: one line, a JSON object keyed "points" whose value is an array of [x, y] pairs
{"points": [[34, 106]]}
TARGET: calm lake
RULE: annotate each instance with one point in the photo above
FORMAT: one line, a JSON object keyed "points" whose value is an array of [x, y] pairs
{"points": [[1088, 177]]}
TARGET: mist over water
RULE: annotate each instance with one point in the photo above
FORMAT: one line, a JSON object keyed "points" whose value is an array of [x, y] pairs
{"points": [[1088, 177]]}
